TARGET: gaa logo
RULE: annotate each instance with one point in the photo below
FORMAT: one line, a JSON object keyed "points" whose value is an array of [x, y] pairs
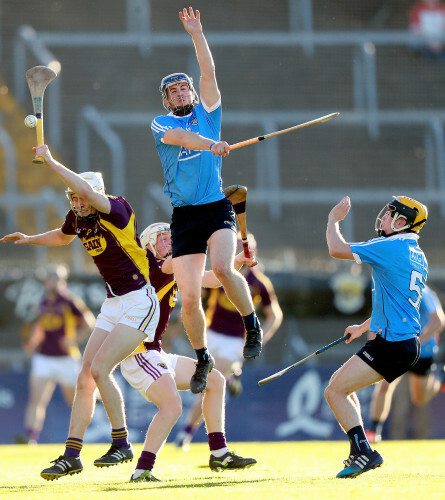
{"points": [[95, 246]]}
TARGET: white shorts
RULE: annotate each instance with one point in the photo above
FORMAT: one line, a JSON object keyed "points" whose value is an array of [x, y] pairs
{"points": [[138, 309], [225, 346], [61, 369], [142, 369]]}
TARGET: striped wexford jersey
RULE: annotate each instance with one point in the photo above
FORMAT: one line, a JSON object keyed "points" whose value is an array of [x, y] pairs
{"points": [[114, 244], [222, 316], [59, 317]]}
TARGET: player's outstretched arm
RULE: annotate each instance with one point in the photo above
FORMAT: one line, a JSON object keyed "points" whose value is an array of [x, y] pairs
{"points": [[195, 142], [52, 238], [76, 183], [208, 86]]}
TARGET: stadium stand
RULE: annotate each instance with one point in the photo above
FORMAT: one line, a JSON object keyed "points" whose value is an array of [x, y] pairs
{"points": [[249, 76]]}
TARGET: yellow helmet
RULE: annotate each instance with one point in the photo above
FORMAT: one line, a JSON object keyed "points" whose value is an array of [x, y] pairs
{"points": [[414, 213]]}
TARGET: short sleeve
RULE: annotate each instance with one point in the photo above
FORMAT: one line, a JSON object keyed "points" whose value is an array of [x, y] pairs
{"points": [[370, 252], [69, 226], [120, 213], [160, 125]]}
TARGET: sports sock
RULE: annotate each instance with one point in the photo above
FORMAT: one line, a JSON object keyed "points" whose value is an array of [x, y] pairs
{"points": [[73, 447], [191, 429], [359, 443], [217, 444], [33, 435], [146, 462], [251, 322], [120, 437], [202, 354]]}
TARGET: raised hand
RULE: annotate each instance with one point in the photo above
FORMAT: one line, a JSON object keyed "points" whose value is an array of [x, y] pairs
{"points": [[44, 152], [191, 21], [341, 210]]}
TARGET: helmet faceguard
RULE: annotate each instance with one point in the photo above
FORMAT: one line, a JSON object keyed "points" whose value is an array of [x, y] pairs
{"points": [[95, 180], [149, 237], [413, 212], [173, 79]]}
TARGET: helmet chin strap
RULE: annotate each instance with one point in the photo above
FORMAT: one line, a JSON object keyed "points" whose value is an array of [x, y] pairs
{"points": [[183, 110], [92, 218]]}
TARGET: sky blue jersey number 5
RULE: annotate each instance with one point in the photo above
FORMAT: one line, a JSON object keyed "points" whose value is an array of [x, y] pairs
{"points": [[399, 275]]}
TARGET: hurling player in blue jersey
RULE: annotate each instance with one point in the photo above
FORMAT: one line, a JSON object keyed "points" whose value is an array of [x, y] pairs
{"points": [[424, 383], [399, 274], [189, 146]]}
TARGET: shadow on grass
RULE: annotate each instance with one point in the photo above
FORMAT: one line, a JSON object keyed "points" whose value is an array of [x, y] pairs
{"points": [[127, 486], [204, 483]]}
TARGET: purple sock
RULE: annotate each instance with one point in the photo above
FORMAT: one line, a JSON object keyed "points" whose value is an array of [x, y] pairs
{"points": [[217, 440], [191, 429], [146, 461], [73, 447], [120, 437], [33, 434]]}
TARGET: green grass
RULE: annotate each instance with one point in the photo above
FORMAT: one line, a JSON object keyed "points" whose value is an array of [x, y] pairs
{"points": [[285, 470]]}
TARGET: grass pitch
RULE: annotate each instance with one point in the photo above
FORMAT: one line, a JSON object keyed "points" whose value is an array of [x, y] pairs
{"points": [[285, 470]]}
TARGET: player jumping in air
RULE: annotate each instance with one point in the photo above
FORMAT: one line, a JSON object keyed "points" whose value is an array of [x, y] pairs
{"points": [[399, 273], [190, 149]]}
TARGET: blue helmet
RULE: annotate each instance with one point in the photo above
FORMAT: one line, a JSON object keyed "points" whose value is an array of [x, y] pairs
{"points": [[172, 79]]}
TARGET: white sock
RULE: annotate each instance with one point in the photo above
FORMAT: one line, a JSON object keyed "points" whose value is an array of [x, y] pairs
{"points": [[220, 452], [137, 473]]}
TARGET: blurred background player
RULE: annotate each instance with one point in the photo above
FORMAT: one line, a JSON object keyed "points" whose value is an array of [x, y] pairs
{"points": [[158, 376], [399, 274], [225, 335], [424, 383], [189, 146], [107, 228], [63, 323]]}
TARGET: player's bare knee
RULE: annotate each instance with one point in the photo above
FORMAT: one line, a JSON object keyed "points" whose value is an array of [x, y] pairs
{"points": [[216, 381], [190, 301], [330, 392], [171, 409], [99, 373], [223, 271], [85, 380]]}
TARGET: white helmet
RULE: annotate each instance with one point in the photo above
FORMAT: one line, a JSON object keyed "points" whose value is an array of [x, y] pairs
{"points": [[94, 179], [150, 234]]}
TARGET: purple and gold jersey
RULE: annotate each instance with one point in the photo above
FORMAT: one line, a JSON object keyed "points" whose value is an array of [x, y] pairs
{"points": [[222, 316], [114, 244], [59, 317], [166, 290]]}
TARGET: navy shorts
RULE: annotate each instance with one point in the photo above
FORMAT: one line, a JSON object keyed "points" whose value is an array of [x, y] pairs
{"points": [[193, 225], [422, 367], [390, 359]]}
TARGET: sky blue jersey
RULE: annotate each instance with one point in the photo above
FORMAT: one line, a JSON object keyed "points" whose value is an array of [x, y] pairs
{"points": [[399, 274], [429, 305], [191, 177]]}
